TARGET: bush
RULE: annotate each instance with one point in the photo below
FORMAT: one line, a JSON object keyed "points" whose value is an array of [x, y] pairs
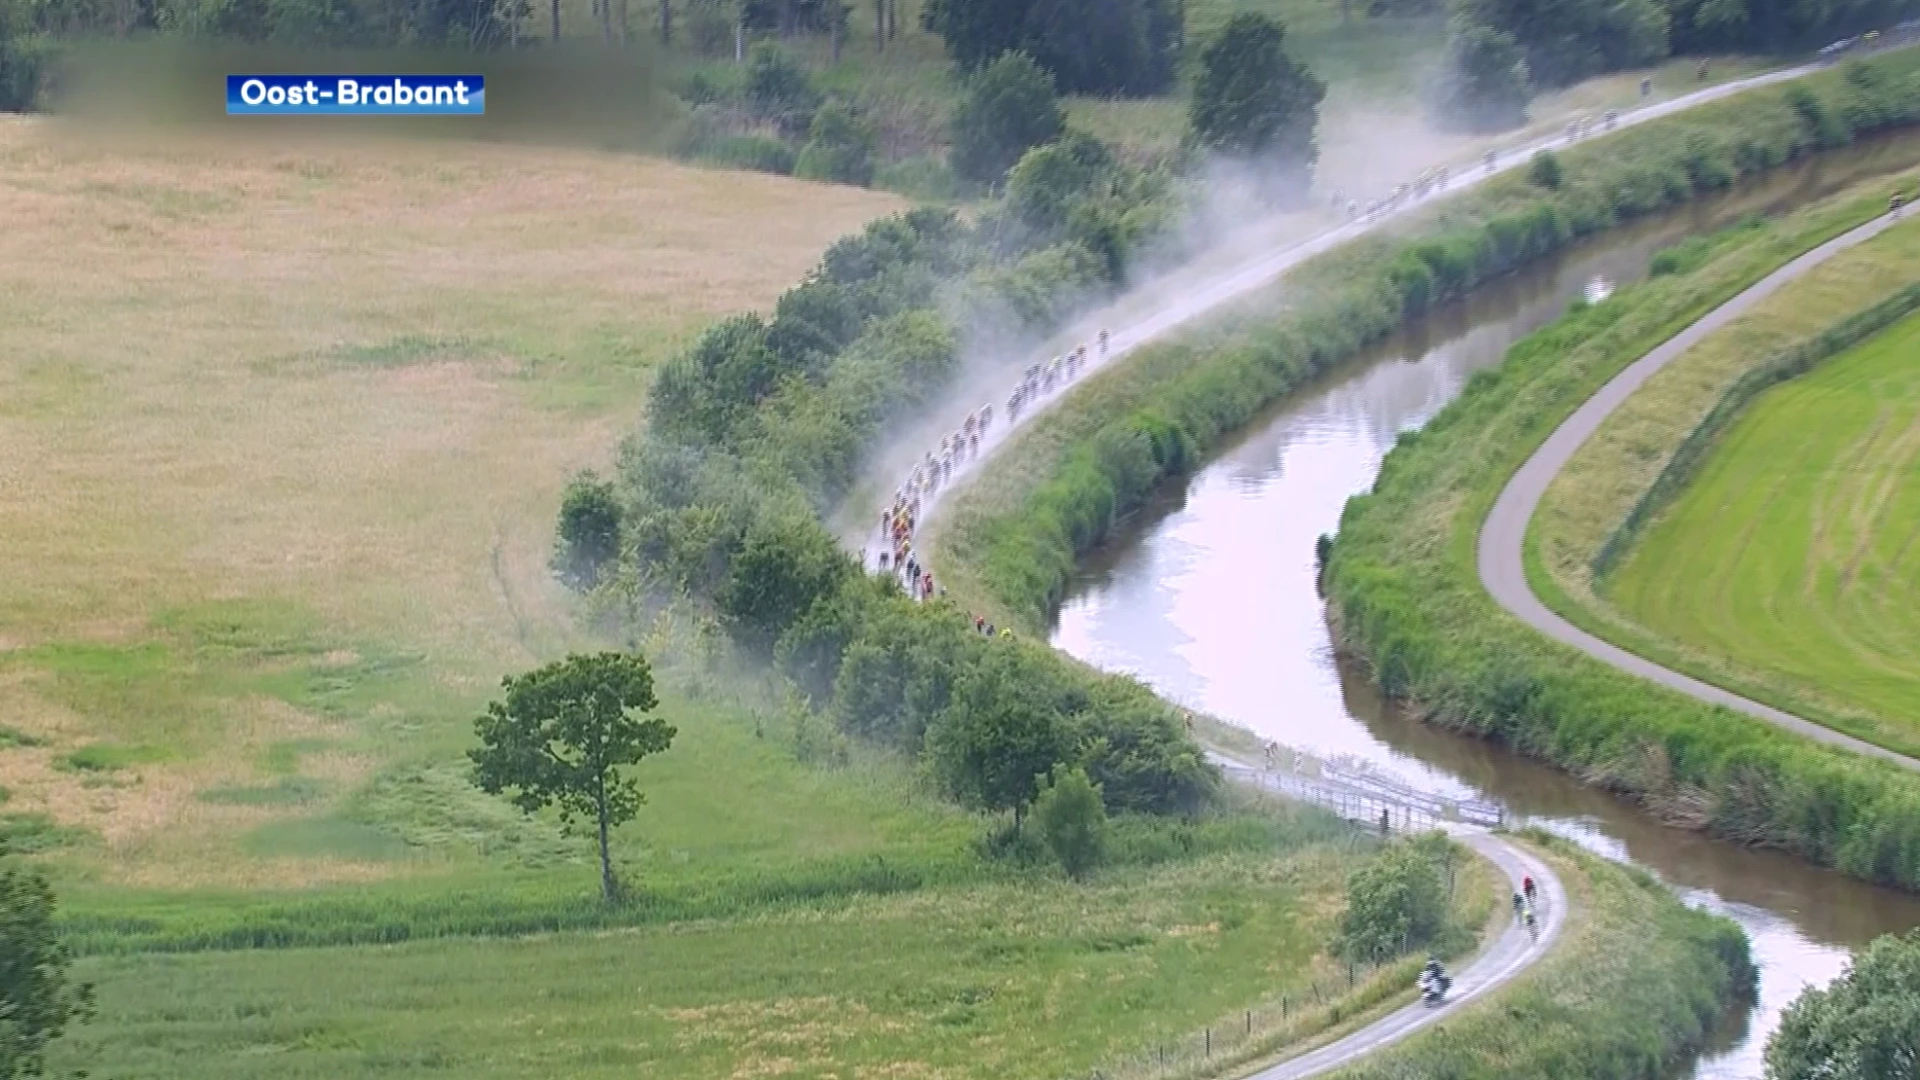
{"points": [[1009, 109], [839, 148], [1861, 1027], [779, 90], [1545, 171], [26, 69], [1253, 102], [1485, 85], [1072, 819], [1396, 903], [589, 534], [1090, 46]]}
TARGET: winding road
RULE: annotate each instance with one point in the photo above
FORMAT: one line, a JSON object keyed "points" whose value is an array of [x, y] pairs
{"points": [[1503, 536], [1514, 949], [1506, 956]]}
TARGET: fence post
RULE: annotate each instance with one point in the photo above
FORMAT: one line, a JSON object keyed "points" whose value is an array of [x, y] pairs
{"points": [[1209, 1052], [1249, 1021]]}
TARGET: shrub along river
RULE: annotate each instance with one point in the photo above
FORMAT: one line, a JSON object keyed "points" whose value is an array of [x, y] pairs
{"points": [[1208, 595]]}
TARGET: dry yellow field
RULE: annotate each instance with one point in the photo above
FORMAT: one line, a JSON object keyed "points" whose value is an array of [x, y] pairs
{"points": [[282, 431]]}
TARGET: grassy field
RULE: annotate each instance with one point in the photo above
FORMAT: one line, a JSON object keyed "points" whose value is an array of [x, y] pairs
{"points": [[1794, 551], [284, 430], [1649, 602], [1024, 979]]}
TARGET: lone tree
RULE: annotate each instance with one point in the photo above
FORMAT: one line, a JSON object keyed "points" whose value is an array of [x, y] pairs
{"points": [[37, 1001], [1252, 101], [1010, 108], [563, 733], [1864, 1026]]}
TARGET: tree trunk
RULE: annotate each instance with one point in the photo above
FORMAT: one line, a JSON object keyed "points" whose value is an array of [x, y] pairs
{"points": [[880, 25], [556, 22], [624, 32], [666, 22], [609, 888], [838, 21], [1019, 816], [606, 20], [893, 19]]}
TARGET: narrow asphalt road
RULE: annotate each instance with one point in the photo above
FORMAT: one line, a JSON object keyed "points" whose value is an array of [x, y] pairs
{"points": [[1502, 565], [1505, 957]]}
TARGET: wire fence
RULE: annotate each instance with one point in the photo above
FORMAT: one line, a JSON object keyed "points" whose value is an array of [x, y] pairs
{"points": [[1326, 1001]]}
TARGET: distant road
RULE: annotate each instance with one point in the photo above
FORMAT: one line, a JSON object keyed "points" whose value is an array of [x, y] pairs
{"points": [[1502, 566]]}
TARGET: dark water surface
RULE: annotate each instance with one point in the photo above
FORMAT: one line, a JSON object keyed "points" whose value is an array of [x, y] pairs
{"points": [[1209, 597]]}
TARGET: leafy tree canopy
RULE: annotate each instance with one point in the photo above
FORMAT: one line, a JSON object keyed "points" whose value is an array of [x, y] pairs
{"points": [[1253, 101], [37, 999], [1485, 86], [562, 736], [1864, 1026], [1125, 47], [589, 536], [1010, 108], [1565, 41]]}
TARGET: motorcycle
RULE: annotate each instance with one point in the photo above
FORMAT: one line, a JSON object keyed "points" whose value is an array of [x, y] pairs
{"points": [[1433, 987]]}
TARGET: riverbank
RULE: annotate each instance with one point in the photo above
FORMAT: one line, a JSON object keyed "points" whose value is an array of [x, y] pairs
{"points": [[1405, 595], [1013, 534]]}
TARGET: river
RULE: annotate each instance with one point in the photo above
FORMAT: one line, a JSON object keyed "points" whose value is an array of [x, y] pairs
{"points": [[1208, 595]]}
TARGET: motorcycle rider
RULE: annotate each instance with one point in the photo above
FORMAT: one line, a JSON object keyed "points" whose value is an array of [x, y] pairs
{"points": [[1433, 980]]}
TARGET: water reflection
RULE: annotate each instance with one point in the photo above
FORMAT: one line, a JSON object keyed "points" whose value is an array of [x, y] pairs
{"points": [[1211, 599]]}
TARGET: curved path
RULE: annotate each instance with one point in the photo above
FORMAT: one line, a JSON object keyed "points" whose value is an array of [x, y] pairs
{"points": [[1502, 563], [1502, 959]]}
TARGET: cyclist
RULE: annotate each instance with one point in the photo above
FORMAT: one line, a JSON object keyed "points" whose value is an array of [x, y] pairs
{"points": [[1519, 907], [1528, 886]]}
